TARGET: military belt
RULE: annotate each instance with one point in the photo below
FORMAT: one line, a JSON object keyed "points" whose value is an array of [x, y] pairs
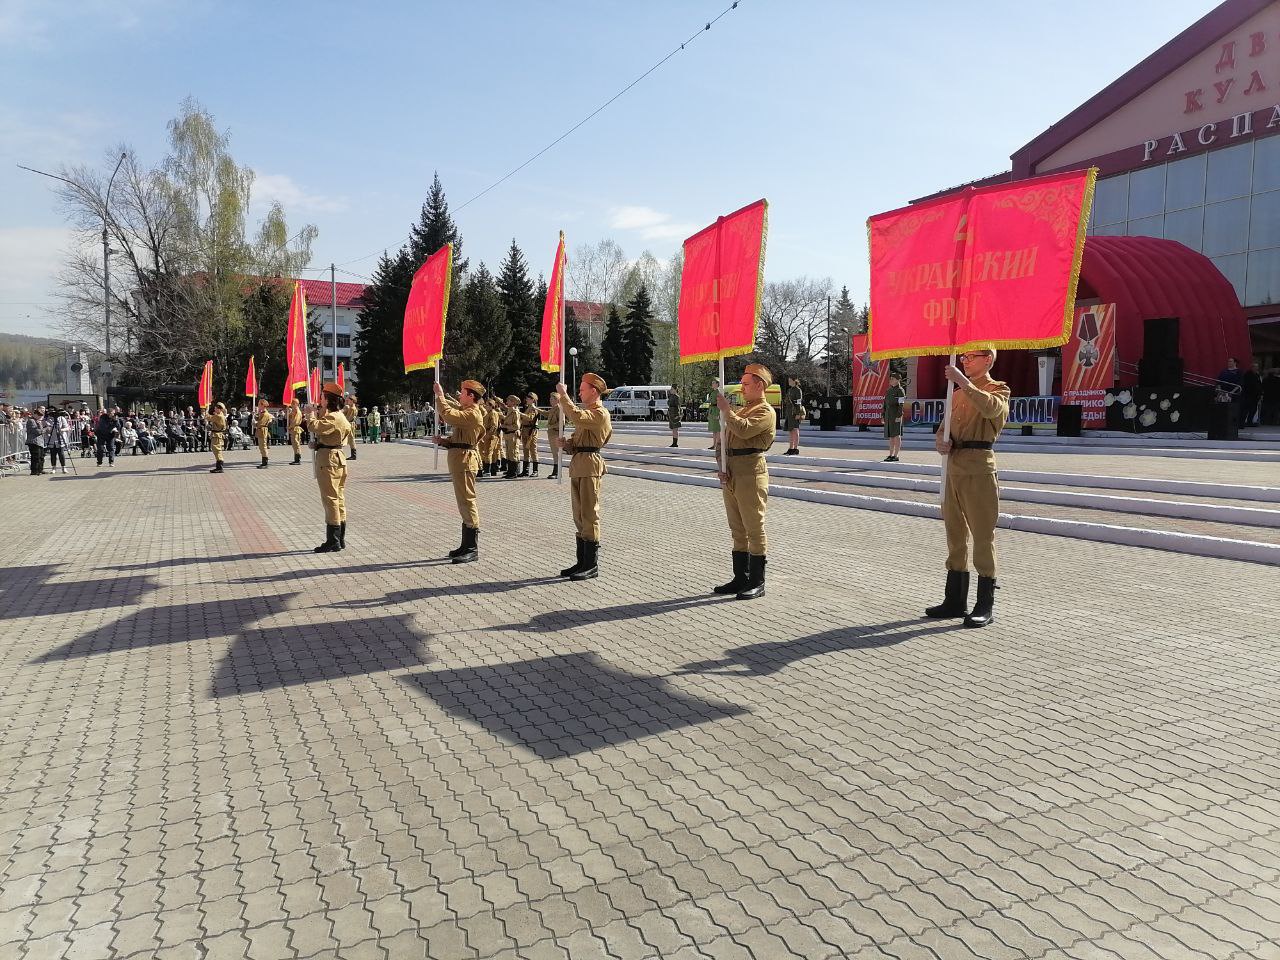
{"points": [[971, 444], [586, 449], [325, 446], [458, 446], [744, 451]]}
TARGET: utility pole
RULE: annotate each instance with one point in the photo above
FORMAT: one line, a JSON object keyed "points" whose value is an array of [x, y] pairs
{"points": [[106, 264], [333, 315], [828, 346]]}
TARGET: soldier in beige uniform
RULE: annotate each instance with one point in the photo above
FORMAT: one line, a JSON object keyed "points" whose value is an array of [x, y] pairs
{"points": [[467, 420], [510, 434], [294, 424], [745, 485], [593, 428], [261, 429], [351, 412], [555, 426], [330, 433], [529, 435], [217, 421], [979, 409], [493, 434]]}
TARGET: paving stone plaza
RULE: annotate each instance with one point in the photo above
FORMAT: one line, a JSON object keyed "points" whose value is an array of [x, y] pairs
{"points": [[217, 744]]}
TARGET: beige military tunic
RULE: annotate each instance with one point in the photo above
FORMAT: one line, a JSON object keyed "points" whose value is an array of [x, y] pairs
{"points": [[217, 432], [261, 429], [294, 424], [972, 503], [529, 433], [330, 432], [751, 429], [593, 427], [464, 460], [555, 429], [510, 432]]}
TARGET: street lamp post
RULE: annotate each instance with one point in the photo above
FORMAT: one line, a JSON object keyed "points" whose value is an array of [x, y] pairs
{"points": [[106, 264], [573, 356]]}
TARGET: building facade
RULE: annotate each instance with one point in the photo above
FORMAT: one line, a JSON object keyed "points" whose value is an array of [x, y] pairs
{"points": [[339, 342], [1187, 144]]}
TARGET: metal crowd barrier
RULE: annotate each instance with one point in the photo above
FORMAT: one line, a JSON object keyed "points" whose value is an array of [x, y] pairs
{"points": [[13, 449]]}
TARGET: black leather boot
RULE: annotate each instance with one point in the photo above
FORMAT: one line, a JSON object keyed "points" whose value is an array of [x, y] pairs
{"points": [[297, 459], [524, 468], [983, 606], [342, 535], [555, 472], [461, 547], [470, 550], [512, 473], [590, 568], [217, 467], [330, 540], [755, 578], [955, 602], [535, 468], [263, 464], [577, 565], [353, 455], [739, 580]]}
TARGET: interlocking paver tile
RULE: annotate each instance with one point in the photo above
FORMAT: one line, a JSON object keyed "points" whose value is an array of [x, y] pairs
{"points": [[476, 762]]}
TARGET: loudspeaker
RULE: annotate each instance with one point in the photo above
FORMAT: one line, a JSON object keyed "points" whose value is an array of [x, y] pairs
{"points": [[1160, 372], [1160, 338], [76, 368], [1069, 415]]}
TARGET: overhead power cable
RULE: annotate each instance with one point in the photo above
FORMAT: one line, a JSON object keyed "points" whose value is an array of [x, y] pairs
{"points": [[590, 116]]}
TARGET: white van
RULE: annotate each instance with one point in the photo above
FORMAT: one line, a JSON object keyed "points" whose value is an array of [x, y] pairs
{"points": [[638, 402]]}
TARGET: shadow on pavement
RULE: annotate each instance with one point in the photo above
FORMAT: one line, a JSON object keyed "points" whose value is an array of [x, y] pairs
{"points": [[565, 705], [568, 619], [762, 659], [171, 623], [444, 590], [192, 561], [27, 592], [283, 656], [329, 571]]}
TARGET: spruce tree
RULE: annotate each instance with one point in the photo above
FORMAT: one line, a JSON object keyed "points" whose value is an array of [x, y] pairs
{"points": [[478, 336], [637, 337], [575, 336], [521, 370], [613, 350]]}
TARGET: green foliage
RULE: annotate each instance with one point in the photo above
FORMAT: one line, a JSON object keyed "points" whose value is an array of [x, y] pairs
{"points": [[522, 371], [31, 363], [613, 350], [478, 338], [637, 338], [575, 337]]}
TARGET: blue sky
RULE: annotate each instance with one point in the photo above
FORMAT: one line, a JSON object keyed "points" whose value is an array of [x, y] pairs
{"points": [[832, 110]]}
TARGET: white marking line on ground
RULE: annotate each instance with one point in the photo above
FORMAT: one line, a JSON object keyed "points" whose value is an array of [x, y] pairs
{"points": [[1187, 543]]}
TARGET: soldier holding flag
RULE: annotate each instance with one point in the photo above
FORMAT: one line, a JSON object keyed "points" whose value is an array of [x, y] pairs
{"points": [[217, 420], [593, 429], [745, 484], [467, 420], [261, 428], [330, 433], [295, 430]]}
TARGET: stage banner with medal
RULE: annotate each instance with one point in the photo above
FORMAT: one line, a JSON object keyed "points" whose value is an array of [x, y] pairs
{"points": [[1089, 363], [991, 266], [722, 285], [551, 346], [870, 382], [426, 310]]}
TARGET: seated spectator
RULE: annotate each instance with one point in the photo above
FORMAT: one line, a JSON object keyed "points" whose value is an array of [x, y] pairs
{"points": [[129, 437]]}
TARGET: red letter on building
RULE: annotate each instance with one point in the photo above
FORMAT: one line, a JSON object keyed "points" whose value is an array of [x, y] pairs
{"points": [[1259, 44], [1255, 83], [1193, 101], [1227, 60]]}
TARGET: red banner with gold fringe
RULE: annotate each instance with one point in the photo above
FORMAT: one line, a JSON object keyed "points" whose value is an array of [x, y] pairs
{"points": [[991, 266], [295, 349], [552, 344], [204, 390], [722, 284], [424, 315]]}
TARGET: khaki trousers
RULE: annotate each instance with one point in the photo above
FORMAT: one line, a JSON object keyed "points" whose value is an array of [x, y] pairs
{"points": [[462, 468], [295, 438], [970, 511], [584, 495], [530, 441], [746, 495], [331, 475], [262, 443], [216, 442], [509, 445]]}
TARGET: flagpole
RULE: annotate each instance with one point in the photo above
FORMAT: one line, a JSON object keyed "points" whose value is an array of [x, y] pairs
{"points": [[435, 369], [564, 347], [723, 458], [946, 433], [723, 455]]}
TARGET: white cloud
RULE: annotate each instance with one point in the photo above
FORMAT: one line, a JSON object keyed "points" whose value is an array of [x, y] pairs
{"points": [[649, 223], [269, 187]]}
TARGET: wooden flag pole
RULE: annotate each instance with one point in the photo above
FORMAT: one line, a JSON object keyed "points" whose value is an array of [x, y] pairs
{"points": [[723, 456], [564, 355], [435, 369], [946, 432]]}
